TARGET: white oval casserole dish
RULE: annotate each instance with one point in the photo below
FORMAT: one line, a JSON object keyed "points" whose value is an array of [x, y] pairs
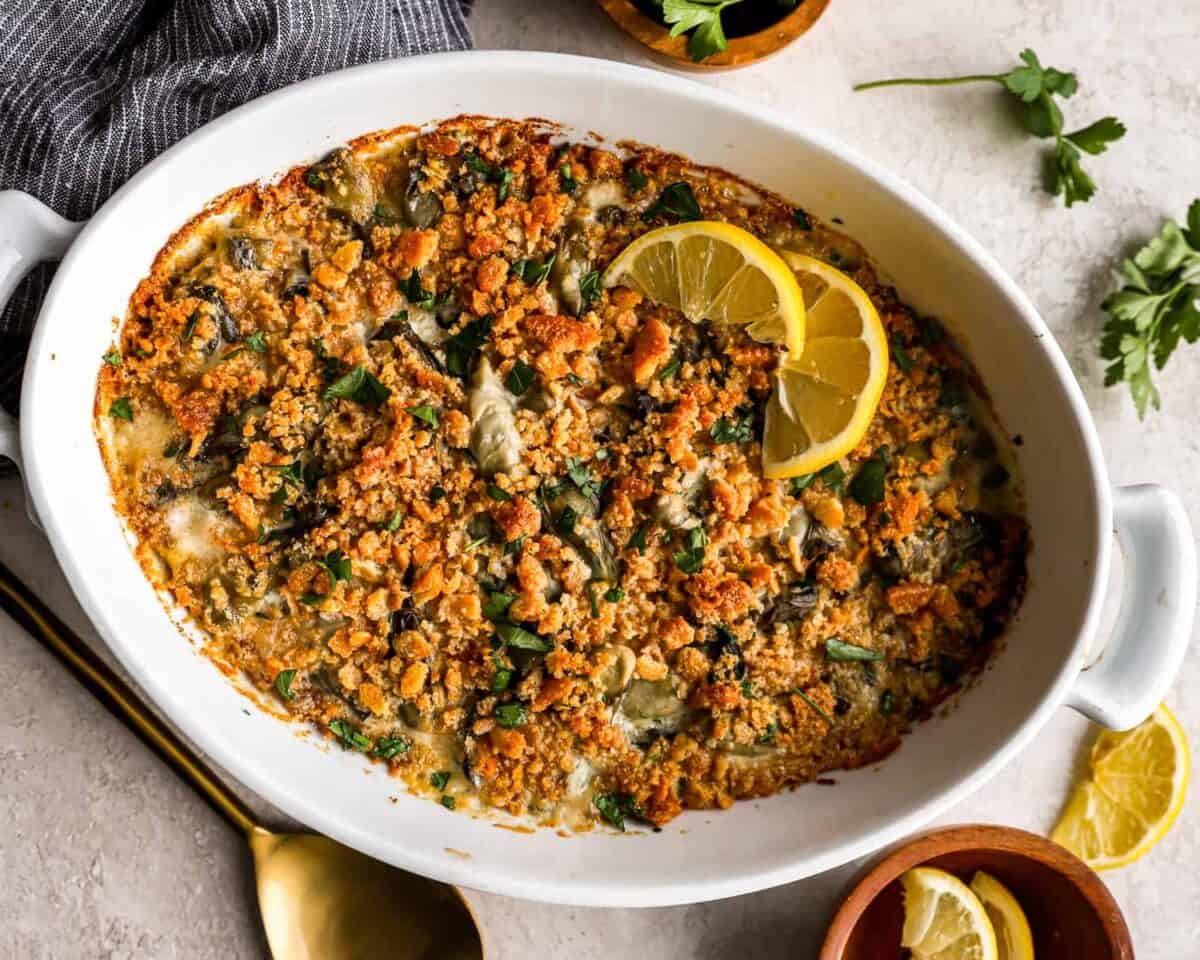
{"points": [[701, 855]]}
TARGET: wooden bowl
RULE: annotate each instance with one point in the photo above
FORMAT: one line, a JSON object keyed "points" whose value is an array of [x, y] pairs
{"points": [[742, 51], [1071, 913]]}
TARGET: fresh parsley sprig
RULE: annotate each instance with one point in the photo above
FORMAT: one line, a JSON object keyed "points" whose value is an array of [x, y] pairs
{"points": [[703, 18], [1157, 305], [1036, 87]]}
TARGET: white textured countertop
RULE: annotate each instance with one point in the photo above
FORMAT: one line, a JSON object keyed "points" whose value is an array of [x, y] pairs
{"points": [[104, 853]]}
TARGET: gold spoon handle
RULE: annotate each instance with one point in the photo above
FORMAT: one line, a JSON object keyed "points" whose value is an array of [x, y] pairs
{"points": [[20, 604]]}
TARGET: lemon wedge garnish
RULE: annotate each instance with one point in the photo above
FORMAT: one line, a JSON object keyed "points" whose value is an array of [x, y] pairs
{"points": [[1014, 939], [716, 272], [1135, 791], [943, 919], [825, 396]]}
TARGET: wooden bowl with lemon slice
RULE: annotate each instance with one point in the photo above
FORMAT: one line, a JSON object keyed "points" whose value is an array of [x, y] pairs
{"points": [[993, 893]]}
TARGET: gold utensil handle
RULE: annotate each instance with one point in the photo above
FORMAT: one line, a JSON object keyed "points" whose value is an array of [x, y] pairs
{"points": [[19, 602]]}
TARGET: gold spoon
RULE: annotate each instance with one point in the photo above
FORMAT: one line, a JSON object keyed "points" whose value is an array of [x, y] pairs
{"points": [[318, 899]]}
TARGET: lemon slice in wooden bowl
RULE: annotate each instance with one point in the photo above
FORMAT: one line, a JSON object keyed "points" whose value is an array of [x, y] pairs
{"points": [[943, 919], [1014, 939]]}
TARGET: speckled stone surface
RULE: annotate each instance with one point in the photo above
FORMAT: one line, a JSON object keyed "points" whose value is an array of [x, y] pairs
{"points": [[104, 853]]}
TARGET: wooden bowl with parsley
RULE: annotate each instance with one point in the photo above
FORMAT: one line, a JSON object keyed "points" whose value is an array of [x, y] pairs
{"points": [[714, 34]]}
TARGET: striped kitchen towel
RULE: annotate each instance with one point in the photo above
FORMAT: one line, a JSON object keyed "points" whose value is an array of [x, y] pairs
{"points": [[90, 92]]}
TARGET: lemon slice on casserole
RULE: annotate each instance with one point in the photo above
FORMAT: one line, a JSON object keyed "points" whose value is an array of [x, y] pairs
{"points": [[943, 919], [1138, 782], [825, 396], [717, 272]]}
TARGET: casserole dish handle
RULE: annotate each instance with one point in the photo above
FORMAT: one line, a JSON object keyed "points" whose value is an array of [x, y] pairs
{"points": [[30, 232], [1154, 624]]}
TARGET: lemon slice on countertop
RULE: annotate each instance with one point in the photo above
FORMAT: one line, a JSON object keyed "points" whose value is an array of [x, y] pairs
{"points": [[943, 919], [1014, 939], [825, 397], [717, 272], [1138, 782]]}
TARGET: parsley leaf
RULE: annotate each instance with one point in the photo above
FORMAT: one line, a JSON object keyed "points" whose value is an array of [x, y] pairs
{"points": [[869, 485], [733, 431], [462, 347], [589, 286], [703, 18], [337, 565], [638, 541], [566, 178], [257, 342], [387, 748], [579, 475], [691, 558], [283, 683], [121, 409], [1157, 306], [522, 639], [1035, 86], [635, 180], [352, 738], [615, 807], [842, 652], [533, 272], [520, 378], [426, 414], [112, 358], [677, 200], [359, 385], [417, 295], [497, 492], [439, 780], [510, 715], [497, 605]]}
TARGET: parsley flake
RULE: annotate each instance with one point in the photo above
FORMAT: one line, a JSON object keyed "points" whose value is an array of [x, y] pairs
{"points": [[359, 385], [283, 683], [121, 409]]}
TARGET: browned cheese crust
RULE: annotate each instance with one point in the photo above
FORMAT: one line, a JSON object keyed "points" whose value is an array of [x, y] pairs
{"points": [[443, 502]]}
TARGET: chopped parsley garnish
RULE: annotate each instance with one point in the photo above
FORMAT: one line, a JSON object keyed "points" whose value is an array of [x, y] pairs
{"points": [[475, 544], [394, 521], [768, 735], [589, 286], [121, 409], [189, 327], [615, 807], [386, 748], [437, 494], [635, 180], [900, 355], [283, 683], [801, 219], [576, 380], [352, 738], [814, 706], [112, 358], [501, 679], [462, 347], [614, 595], [842, 652], [439, 780], [498, 493], [733, 431], [359, 385], [514, 546], [417, 295], [426, 414], [291, 473], [520, 378], [676, 200], [638, 540], [691, 558], [522, 639], [448, 802], [579, 476], [511, 715], [533, 272], [672, 368], [337, 565], [567, 520], [869, 485], [237, 352], [566, 178], [497, 605], [257, 342]]}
